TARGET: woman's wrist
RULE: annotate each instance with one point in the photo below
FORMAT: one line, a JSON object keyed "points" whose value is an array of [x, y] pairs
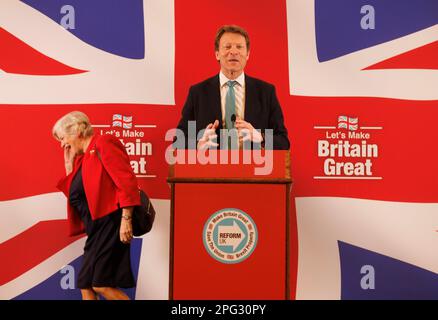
{"points": [[126, 216]]}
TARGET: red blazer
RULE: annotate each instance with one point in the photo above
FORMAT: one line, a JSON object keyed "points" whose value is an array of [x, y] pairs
{"points": [[109, 181]]}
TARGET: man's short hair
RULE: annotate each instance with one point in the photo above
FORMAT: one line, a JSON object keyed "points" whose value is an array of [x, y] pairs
{"points": [[231, 29]]}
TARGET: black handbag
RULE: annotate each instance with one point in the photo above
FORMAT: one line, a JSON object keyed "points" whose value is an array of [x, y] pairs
{"points": [[143, 216]]}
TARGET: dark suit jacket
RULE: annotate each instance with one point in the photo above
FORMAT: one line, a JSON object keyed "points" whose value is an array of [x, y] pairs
{"points": [[262, 108]]}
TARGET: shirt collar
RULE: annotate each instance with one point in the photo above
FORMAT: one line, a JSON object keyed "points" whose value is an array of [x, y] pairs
{"points": [[240, 79]]}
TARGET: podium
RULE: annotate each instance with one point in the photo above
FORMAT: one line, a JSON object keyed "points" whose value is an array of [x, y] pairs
{"points": [[229, 234]]}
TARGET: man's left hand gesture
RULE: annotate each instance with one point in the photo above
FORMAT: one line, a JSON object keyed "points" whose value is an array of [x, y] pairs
{"points": [[247, 132]]}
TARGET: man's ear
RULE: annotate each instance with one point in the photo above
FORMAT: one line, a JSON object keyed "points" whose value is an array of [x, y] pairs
{"points": [[216, 53]]}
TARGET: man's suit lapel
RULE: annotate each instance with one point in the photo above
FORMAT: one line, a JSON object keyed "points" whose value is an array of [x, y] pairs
{"points": [[249, 99], [215, 93]]}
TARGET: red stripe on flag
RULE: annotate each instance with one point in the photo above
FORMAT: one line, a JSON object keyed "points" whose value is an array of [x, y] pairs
{"points": [[46, 239], [421, 58], [19, 58]]}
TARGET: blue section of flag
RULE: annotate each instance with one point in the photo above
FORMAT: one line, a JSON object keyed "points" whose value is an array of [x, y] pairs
{"points": [[111, 25], [51, 289], [338, 23], [394, 279]]}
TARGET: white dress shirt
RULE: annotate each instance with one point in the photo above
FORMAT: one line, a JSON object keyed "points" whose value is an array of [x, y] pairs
{"points": [[239, 90]]}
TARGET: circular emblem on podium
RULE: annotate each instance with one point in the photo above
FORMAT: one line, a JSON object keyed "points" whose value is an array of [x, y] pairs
{"points": [[230, 235]]}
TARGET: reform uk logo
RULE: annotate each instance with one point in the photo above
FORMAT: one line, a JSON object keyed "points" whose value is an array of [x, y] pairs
{"points": [[230, 235]]}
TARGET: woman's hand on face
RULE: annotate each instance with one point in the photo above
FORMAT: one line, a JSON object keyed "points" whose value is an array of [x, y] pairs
{"points": [[69, 156]]}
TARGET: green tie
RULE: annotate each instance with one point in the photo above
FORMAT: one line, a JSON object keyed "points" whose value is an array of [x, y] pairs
{"points": [[230, 105]]}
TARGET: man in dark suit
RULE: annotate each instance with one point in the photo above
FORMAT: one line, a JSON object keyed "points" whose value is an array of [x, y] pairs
{"points": [[233, 100]]}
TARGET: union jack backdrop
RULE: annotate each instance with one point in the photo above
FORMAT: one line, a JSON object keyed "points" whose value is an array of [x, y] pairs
{"points": [[345, 70]]}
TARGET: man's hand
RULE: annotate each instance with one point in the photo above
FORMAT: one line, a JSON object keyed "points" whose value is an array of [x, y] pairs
{"points": [[247, 132], [209, 136]]}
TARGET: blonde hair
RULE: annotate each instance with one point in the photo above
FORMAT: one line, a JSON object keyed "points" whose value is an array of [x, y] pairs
{"points": [[75, 122]]}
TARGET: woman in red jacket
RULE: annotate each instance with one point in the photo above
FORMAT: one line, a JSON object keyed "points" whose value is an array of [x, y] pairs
{"points": [[102, 190]]}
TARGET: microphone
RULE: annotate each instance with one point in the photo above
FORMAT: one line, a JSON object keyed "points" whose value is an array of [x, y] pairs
{"points": [[233, 118]]}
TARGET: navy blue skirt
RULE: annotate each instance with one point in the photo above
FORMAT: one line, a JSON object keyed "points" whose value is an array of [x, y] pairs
{"points": [[106, 261]]}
